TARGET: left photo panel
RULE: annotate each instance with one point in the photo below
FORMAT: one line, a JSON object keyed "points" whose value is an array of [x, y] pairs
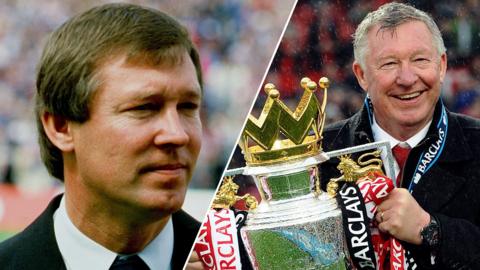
{"points": [[117, 120]]}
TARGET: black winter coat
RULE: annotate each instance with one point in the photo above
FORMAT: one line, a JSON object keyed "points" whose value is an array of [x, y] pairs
{"points": [[450, 190]]}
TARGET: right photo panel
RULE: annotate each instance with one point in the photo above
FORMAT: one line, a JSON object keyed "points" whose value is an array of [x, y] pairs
{"points": [[361, 148]]}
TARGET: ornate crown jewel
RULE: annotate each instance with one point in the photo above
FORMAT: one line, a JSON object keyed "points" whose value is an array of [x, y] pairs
{"points": [[281, 135]]}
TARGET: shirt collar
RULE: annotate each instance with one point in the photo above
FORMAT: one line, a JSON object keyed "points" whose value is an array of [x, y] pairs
{"points": [[81, 252], [160, 247], [381, 135]]}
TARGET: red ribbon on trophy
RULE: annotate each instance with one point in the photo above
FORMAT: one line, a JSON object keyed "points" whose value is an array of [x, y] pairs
{"points": [[217, 245], [374, 189]]}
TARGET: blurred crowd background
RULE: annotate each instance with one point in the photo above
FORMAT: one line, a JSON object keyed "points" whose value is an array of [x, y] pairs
{"points": [[236, 40], [318, 42]]}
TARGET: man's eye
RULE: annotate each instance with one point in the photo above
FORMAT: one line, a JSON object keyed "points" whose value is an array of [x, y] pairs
{"points": [[145, 107], [422, 60], [388, 64], [189, 108], [188, 105]]}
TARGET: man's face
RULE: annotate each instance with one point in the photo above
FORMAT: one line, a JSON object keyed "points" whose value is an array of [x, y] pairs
{"points": [[140, 145], [402, 76]]}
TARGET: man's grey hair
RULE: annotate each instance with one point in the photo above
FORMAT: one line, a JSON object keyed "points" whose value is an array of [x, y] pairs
{"points": [[389, 17]]}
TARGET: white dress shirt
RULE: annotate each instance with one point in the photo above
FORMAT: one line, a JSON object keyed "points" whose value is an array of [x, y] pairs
{"points": [[381, 135], [79, 252]]}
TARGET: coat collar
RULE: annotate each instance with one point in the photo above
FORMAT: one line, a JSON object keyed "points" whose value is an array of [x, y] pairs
{"points": [[42, 250], [439, 182], [185, 229], [456, 148]]}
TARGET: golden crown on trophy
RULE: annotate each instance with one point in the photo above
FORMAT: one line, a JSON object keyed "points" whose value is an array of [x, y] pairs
{"points": [[280, 135]]}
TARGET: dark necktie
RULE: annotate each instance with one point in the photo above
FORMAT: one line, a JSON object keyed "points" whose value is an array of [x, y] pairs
{"points": [[400, 153], [129, 263]]}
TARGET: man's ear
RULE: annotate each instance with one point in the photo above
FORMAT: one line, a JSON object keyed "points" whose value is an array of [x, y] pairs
{"points": [[58, 131], [443, 66], [360, 74]]}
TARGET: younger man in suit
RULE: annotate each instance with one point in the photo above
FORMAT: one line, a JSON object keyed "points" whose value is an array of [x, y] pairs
{"points": [[119, 92]]}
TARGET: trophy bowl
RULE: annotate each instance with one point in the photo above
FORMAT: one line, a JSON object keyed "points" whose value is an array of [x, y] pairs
{"points": [[294, 226]]}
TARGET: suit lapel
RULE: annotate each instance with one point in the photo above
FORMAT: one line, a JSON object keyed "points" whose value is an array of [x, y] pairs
{"points": [[439, 182], [43, 249], [185, 229], [40, 249]]}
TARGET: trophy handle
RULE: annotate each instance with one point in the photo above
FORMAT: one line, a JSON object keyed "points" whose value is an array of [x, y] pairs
{"points": [[324, 83]]}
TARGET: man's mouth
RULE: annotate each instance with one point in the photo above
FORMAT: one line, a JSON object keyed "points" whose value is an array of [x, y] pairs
{"points": [[409, 96], [171, 167]]}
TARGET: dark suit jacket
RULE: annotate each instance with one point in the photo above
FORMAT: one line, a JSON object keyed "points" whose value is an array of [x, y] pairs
{"points": [[450, 190], [36, 248]]}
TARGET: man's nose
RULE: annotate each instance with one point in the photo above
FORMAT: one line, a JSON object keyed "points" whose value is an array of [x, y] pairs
{"points": [[170, 129], [406, 75]]}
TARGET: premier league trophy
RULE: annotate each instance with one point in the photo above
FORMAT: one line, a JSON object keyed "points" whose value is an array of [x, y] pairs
{"points": [[296, 225]]}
